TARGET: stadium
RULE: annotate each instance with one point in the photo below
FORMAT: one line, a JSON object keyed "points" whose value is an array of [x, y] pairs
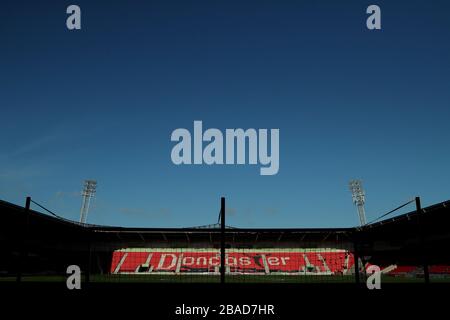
{"points": [[411, 247]]}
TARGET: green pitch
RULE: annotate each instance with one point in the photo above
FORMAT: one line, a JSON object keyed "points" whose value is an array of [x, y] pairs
{"points": [[292, 279]]}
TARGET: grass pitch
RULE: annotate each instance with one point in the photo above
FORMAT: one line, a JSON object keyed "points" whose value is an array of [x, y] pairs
{"points": [[170, 278]]}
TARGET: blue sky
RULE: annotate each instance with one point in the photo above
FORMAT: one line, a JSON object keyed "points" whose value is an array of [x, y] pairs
{"points": [[101, 103]]}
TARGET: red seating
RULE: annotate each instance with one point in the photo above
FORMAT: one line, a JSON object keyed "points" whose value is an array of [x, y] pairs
{"points": [[245, 261], [248, 261], [413, 270], [404, 270], [439, 269]]}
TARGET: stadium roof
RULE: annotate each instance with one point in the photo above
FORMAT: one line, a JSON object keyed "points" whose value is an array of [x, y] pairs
{"points": [[9, 210], [381, 239]]}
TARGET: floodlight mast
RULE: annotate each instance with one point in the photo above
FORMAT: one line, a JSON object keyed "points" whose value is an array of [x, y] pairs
{"points": [[358, 197], [88, 193]]}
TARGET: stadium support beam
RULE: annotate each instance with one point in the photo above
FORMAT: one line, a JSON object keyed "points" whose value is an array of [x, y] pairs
{"points": [[222, 240], [89, 259], [426, 273], [23, 252], [279, 238], [356, 238], [356, 263], [326, 237]]}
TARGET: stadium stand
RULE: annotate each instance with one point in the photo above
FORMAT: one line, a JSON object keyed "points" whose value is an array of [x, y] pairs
{"points": [[39, 245], [247, 261]]}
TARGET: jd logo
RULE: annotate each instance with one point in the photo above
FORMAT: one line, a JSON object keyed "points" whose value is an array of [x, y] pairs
{"points": [[74, 278], [374, 280]]}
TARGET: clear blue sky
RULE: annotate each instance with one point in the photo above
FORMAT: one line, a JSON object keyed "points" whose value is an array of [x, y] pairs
{"points": [[101, 103]]}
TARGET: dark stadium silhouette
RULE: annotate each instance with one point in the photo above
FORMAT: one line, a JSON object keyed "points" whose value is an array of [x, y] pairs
{"points": [[411, 247]]}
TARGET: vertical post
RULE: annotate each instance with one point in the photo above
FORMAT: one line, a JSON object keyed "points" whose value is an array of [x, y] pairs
{"points": [[23, 251], [222, 240], [356, 261], [426, 273], [89, 261]]}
